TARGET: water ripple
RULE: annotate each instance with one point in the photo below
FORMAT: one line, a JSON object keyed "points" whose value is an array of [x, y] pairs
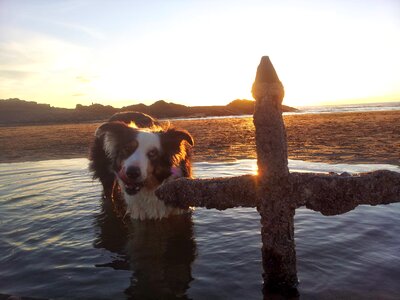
{"points": [[58, 240]]}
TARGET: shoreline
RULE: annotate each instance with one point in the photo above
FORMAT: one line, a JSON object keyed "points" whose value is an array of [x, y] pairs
{"points": [[344, 137]]}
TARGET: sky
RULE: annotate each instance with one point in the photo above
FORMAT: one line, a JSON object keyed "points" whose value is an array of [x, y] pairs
{"points": [[198, 52]]}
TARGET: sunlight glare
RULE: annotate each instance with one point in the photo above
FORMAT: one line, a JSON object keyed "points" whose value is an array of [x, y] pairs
{"points": [[206, 63]]}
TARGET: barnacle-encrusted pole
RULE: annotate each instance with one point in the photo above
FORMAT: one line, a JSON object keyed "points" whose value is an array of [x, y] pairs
{"points": [[219, 193], [277, 209], [330, 194], [338, 194], [276, 192]]}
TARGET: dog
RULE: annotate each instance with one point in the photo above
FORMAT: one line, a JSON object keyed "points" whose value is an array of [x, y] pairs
{"points": [[134, 154]]}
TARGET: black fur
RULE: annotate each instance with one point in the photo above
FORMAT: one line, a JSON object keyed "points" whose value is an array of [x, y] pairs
{"points": [[175, 144], [141, 120]]}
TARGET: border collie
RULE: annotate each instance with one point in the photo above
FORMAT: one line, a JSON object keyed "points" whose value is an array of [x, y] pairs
{"points": [[134, 153]]}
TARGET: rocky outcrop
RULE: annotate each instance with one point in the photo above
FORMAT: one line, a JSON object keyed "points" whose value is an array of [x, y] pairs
{"points": [[16, 111]]}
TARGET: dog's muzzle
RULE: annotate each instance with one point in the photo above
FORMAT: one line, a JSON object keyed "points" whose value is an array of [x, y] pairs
{"points": [[131, 179]]}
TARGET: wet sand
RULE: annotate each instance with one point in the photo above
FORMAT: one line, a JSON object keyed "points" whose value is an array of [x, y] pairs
{"points": [[366, 137]]}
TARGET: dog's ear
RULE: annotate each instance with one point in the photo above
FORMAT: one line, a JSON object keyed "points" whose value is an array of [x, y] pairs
{"points": [[140, 120], [113, 134], [176, 136], [176, 141]]}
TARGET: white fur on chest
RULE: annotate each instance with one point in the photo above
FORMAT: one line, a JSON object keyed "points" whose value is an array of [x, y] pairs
{"points": [[146, 205]]}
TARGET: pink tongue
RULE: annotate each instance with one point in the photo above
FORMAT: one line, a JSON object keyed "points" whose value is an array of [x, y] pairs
{"points": [[176, 172]]}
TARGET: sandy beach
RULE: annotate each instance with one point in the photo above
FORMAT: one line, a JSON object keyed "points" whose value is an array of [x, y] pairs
{"points": [[362, 137]]}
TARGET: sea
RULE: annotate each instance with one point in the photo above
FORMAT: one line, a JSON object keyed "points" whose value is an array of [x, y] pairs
{"points": [[323, 109], [60, 239], [362, 107]]}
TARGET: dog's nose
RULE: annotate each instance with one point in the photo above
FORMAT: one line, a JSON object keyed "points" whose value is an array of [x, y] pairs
{"points": [[133, 172]]}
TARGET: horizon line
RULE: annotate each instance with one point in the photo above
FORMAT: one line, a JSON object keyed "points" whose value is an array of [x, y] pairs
{"points": [[362, 101]]}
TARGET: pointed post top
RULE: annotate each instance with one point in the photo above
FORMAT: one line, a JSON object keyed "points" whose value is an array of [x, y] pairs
{"points": [[271, 143], [267, 81], [266, 72]]}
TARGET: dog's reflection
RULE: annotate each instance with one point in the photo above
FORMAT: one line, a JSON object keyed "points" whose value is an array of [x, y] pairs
{"points": [[159, 252]]}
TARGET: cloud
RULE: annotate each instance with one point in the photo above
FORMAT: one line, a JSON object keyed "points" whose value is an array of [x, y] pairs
{"points": [[35, 65], [17, 53], [81, 29], [15, 75], [78, 95], [83, 79]]}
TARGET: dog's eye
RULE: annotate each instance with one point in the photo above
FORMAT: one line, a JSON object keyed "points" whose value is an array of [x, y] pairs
{"points": [[128, 149], [152, 154]]}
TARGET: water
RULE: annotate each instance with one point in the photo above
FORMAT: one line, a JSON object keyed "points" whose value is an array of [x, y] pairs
{"points": [[321, 109], [362, 107], [59, 240]]}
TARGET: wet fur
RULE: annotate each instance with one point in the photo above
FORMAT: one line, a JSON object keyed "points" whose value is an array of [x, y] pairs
{"points": [[115, 143]]}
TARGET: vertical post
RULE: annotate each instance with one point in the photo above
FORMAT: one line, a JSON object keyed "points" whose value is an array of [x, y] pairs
{"points": [[276, 209]]}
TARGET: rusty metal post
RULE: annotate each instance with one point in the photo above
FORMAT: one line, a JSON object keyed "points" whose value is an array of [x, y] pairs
{"points": [[273, 187]]}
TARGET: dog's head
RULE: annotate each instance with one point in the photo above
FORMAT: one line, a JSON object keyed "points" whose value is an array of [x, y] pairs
{"points": [[144, 158]]}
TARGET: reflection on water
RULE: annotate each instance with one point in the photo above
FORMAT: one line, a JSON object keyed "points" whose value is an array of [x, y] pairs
{"points": [[159, 253], [363, 107], [59, 239]]}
